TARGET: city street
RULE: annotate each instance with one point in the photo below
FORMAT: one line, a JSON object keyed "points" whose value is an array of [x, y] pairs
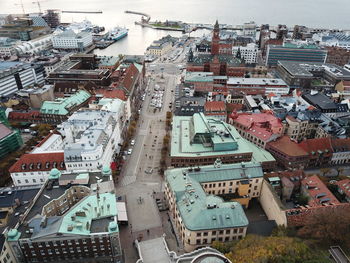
{"points": [[140, 178]]}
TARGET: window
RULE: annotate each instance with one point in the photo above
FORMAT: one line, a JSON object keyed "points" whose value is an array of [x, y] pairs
{"points": [[256, 187], [228, 231], [26, 181], [241, 230], [205, 234], [213, 233], [199, 234], [221, 232]]}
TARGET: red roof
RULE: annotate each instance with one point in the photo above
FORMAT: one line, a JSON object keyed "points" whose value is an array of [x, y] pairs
{"points": [[31, 115], [112, 93], [4, 131], [215, 106], [313, 146], [261, 125], [31, 162], [318, 192], [344, 185], [288, 147], [125, 77]]}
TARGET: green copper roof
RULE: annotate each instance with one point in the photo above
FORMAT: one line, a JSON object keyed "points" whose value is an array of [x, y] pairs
{"points": [[78, 220], [61, 106], [106, 170], [13, 235], [301, 46], [138, 66], [199, 77], [54, 173], [198, 210], [198, 135]]}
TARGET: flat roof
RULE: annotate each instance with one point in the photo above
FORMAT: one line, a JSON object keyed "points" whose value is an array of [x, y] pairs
{"points": [[255, 81]]}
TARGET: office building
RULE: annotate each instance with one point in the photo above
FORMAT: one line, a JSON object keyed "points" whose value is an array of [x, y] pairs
{"points": [[295, 52], [69, 40], [200, 140]]}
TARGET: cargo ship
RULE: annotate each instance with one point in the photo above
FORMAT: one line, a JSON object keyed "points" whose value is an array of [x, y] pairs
{"points": [[117, 33]]}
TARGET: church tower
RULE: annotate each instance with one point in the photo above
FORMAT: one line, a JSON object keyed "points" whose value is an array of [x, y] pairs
{"points": [[216, 39]]}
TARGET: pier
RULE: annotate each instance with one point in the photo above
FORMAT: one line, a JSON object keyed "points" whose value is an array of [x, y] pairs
{"points": [[148, 17], [82, 12]]}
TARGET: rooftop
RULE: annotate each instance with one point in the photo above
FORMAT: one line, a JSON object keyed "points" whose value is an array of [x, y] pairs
{"points": [[200, 211], [4, 131], [198, 135], [62, 106], [287, 146], [344, 185], [256, 81], [320, 100]]}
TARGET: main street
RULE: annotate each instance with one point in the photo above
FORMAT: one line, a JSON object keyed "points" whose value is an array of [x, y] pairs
{"points": [[139, 178]]}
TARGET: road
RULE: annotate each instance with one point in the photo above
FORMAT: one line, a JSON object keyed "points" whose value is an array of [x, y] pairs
{"points": [[135, 182]]}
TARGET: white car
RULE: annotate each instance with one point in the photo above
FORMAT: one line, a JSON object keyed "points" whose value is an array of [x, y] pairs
{"points": [[132, 142], [129, 151]]}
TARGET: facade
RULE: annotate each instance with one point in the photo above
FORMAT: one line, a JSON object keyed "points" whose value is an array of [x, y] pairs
{"points": [[10, 140], [69, 40], [8, 46], [254, 86], [159, 48], [78, 224], [92, 138], [288, 153], [59, 110], [200, 140], [249, 53], [341, 151], [215, 109], [16, 75], [35, 97], [295, 52], [258, 128], [34, 46], [344, 188], [338, 56], [319, 151], [200, 216]]}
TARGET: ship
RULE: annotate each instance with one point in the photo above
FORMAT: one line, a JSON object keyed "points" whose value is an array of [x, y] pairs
{"points": [[117, 33]]}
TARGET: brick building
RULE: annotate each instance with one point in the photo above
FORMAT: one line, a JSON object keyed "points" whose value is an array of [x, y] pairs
{"points": [[337, 55]]}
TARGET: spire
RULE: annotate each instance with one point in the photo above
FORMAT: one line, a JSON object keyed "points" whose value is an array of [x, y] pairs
{"points": [[238, 54], [216, 26], [190, 56]]}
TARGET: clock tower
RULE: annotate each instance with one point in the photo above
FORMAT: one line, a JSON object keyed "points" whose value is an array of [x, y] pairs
{"points": [[216, 39]]}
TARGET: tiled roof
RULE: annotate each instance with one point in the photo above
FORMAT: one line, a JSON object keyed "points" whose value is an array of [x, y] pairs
{"points": [[215, 106], [317, 145], [287, 146], [4, 131], [17, 115], [318, 192], [31, 162], [341, 145], [112, 93], [344, 185]]}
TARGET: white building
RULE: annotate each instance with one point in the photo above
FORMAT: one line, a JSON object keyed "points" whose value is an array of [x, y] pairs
{"points": [[17, 75], [249, 53], [333, 40], [92, 137], [87, 142], [249, 29], [34, 46], [71, 40]]}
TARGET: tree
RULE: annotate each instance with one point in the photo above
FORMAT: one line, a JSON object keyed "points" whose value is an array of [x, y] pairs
{"points": [[257, 249], [328, 227], [303, 199]]}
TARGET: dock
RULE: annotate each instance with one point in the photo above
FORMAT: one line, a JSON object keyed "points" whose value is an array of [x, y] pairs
{"points": [[82, 12]]}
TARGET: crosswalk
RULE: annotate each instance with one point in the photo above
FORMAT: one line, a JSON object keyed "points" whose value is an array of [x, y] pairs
{"points": [[128, 179]]}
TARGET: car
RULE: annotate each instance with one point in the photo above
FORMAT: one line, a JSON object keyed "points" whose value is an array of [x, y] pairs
{"points": [[132, 142], [129, 151]]}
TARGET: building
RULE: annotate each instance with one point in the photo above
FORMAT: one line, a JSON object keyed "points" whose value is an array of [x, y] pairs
{"points": [[249, 53], [36, 96], [325, 104], [338, 56], [254, 86], [301, 74], [24, 28], [258, 128], [69, 40], [17, 75], [78, 223], [319, 151], [59, 110], [295, 52], [8, 46], [215, 109], [187, 106], [10, 140], [159, 48], [344, 188], [92, 137], [5, 253], [288, 153], [34, 46], [200, 140], [249, 29], [220, 62], [108, 62], [340, 40], [200, 217], [341, 151]]}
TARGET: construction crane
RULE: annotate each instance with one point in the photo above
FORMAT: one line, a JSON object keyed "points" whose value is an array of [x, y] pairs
{"points": [[22, 6], [38, 3]]}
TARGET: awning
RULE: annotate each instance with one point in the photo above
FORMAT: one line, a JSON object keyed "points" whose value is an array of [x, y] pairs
{"points": [[122, 215]]}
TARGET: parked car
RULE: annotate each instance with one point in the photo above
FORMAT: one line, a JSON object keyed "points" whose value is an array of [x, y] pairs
{"points": [[132, 142], [129, 151]]}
